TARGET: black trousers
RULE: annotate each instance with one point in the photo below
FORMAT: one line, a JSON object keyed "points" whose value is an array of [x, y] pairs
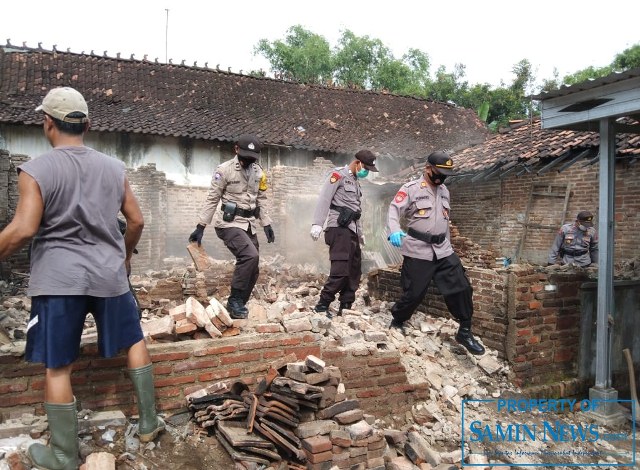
{"points": [[451, 279], [245, 248], [346, 269]]}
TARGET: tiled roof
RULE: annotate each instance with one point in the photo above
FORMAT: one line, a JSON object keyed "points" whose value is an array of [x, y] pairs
{"points": [[139, 96], [529, 145]]}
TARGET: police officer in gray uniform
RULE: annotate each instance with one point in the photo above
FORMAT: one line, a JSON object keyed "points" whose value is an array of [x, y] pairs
{"points": [[240, 184], [576, 243], [427, 250], [339, 206]]}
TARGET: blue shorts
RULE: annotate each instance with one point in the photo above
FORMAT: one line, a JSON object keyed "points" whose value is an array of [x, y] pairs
{"points": [[57, 321]]}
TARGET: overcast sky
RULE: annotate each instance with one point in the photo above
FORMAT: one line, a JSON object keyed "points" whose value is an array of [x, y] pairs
{"points": [[489, 37]]}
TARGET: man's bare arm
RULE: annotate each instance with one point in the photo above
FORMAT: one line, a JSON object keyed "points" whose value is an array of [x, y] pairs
{"points": [[135, 221], [26, 220]]}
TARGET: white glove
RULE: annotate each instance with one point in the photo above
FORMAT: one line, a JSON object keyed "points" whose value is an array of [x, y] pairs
{"points": [[316, 230]]}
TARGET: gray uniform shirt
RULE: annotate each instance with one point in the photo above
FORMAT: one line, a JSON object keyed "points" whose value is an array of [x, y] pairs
{"points": [[342, 189], [573, 246], [78, 249], [246, 187], [425, 210]]}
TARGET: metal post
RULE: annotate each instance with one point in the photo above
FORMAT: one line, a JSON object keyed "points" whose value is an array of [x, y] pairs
{"points": [[602, 390]]}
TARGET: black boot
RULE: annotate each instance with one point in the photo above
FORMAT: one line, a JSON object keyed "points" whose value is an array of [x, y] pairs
{"points": [[322, 306], [397, 325], [466, 339], [235, 305], [344, 306]]}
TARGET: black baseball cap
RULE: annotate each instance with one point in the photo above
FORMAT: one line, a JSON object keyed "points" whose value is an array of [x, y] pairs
{"points": [[586, 218], [249, 146], [368, 159], [442, 161]]}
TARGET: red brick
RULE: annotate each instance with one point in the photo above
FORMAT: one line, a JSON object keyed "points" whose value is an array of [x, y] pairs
{"points": [[169, 381], [13, 387], [319, 457], [317, 444], [191, 365], [220, 374], [173, 356], [213, 351], [268, 328], [241, 358], [563, 355]]}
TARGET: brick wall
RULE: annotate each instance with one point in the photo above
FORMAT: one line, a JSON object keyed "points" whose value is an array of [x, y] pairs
{"points": [[291, 198], [535, 330], [492, 213], [150, 188], [544, 326], [171, 213], [378, 380], [8, 204], [489, 298]]}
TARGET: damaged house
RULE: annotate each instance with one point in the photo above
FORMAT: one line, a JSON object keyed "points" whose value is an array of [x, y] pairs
{"points": [[172, 124], [509, 198]]}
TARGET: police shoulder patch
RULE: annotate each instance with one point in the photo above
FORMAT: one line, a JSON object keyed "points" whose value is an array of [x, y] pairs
{"points": [[263, 182], [217, 176], [335, 176], [400, 196]]}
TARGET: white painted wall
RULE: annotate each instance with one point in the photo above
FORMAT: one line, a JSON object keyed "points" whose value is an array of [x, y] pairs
{"points": [[168, 153]]}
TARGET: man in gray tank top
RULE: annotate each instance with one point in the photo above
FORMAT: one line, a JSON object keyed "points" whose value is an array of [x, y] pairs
{"points": [[69, 200]]}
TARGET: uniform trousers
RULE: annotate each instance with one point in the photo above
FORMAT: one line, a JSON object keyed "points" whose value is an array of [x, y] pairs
{"points": [[450, 278], [244, 246], [345, 256]]}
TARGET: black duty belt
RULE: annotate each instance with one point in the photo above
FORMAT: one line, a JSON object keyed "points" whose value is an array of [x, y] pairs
{"points": [[574, 252], [243, 212], [427, 237], [356, 215]]}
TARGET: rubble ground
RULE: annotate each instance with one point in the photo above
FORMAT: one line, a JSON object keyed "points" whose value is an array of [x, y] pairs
{"points": [[429, 354]]}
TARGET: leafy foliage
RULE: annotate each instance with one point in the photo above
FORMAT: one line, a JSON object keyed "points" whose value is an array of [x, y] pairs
{"points": [[363, 62], [302, 56]]}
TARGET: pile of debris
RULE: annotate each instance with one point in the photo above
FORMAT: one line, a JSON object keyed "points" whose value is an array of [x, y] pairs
{"points": [[298, 414], [283, 301]]}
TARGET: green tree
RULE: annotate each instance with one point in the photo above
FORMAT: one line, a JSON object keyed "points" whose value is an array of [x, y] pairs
{"points": [[303, 56], [357, 60], [366, 63], [409, 76], [627, 59], [588, 73], [448, 86]]}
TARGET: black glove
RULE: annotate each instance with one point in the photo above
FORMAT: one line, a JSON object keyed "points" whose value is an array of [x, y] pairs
{"points": [[268, 231], [197, 234]]}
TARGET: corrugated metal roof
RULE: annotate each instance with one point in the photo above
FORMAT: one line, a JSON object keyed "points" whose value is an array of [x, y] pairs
{"points": [[588, 85]]}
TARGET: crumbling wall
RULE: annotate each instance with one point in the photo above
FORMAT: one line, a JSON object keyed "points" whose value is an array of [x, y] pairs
{"points": [[291, 198], [544, 325], [530, 315], [492, 212], [8, 203], [150, 188], [489, 299], [378, 380]]}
